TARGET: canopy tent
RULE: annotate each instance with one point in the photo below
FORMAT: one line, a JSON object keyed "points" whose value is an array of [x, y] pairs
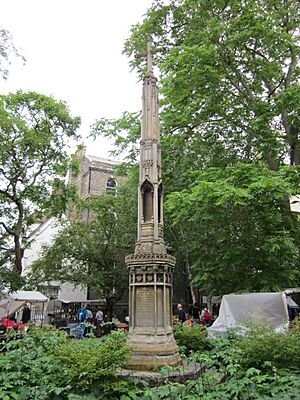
{"points": [[291, 303], [237, 310], [17, 300]]}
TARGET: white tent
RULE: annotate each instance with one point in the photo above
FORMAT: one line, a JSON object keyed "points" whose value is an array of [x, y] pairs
{"points": [[260, 308], [291, 303], [16, 300]]}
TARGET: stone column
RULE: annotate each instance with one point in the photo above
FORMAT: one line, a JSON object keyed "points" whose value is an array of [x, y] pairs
{"points": [[150, 311], [150, 267]]}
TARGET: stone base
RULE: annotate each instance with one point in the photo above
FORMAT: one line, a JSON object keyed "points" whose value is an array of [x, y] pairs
{"points": [[181, 374], [151, 353]]}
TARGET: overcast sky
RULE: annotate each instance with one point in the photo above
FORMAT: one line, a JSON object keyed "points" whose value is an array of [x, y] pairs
{"points": [[73, 52]]}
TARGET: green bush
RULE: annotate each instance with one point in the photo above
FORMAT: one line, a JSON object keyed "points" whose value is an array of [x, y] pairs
{"points": [[191, 338], [91, 360], [46, 364], [27, 371], [263, 348]]}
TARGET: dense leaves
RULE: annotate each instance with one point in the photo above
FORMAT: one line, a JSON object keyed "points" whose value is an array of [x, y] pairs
{"points": [[228, 69], [34, 130], [238, 368], [192, 338], [236, 230], [45, 364]]}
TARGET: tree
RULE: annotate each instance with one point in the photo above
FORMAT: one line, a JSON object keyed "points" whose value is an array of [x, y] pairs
{"points": [[8, 51], [229, 74], [235, 230], [93, 252], [33, 134]]}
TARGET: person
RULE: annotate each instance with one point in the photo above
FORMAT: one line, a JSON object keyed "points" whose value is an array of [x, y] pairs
{"points": [[181, 313], [89, 315], [115, 322], [188, 321], [89, 318], [206, 317], [99, 317], [82, 313], [26, 314]]}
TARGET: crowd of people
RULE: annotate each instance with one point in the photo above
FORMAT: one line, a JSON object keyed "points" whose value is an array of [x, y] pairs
{"points": [[99, 321], [195, 315]]}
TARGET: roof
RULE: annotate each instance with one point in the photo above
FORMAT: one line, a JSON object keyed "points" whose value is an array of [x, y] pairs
{"points": [[24, 295], [102, 160]]}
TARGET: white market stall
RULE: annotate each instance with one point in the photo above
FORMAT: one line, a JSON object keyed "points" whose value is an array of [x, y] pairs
{"points": [[238, 310], [15, 301]]}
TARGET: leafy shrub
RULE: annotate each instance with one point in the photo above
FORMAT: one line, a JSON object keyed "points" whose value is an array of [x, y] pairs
{"points": [[27, 371], [45, 364], [252, 386], [223, 356], [191, 338], [263, 348], [90, 360]]}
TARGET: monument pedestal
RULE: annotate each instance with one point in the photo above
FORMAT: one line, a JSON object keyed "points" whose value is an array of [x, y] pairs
{"points": [[150, 311]]}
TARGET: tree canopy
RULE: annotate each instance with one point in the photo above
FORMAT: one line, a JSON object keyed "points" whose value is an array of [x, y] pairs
{"points": [[229, 74], [34, 130], [232, 226]]}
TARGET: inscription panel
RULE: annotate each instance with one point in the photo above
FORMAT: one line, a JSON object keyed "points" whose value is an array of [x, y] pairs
{"points": [[168, 306], [144, 307], [160, 307]]}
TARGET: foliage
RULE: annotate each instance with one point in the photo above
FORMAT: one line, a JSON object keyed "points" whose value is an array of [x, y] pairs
{"points": [[227, 73], [91, 360], [33, 132], [92, 251], [295, 324], [125, 130], [191, 338], [27, 371], [264, 349], [237, 230], [253, 385], [45, 364], [229, 377]]}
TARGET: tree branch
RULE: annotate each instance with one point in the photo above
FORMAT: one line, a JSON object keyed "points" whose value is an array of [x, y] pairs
{"points": [[7, 229]]}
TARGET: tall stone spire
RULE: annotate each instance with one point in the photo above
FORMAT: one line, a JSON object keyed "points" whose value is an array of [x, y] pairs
{"points": [[150, 267], [150, 210]]}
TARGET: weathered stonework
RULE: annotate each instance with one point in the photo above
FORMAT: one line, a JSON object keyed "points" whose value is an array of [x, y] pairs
{"points": [[150, 267]]}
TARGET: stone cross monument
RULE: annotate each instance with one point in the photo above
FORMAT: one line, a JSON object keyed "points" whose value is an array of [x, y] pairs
{"points": [[150, 267]]}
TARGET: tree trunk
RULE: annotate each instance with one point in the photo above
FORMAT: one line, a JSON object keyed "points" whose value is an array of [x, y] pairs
{"points": [[190, 278], [19, 251]]}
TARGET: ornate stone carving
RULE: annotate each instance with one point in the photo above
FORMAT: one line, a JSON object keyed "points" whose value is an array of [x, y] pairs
{"points": [[150, 267]]}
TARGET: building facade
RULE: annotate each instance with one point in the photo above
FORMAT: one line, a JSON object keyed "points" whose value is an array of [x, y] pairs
{"points": [[94, 176]]}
